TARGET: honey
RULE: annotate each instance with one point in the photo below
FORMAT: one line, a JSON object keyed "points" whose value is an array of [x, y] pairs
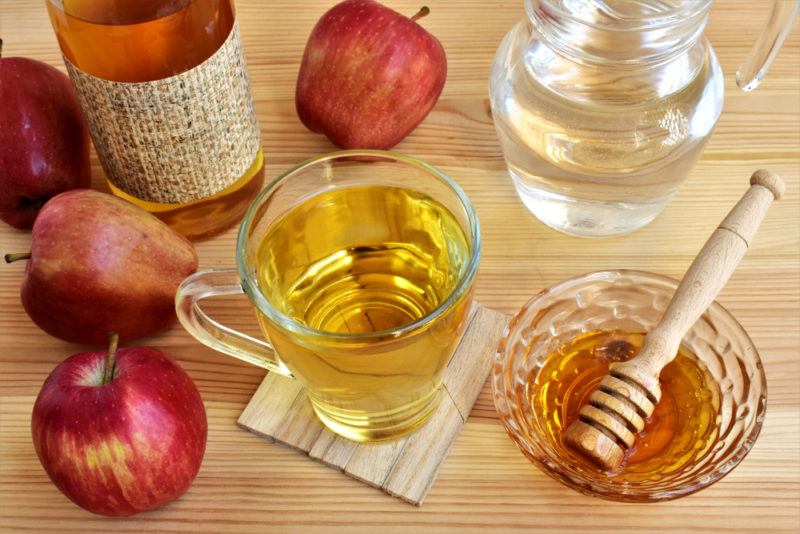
{"points": [[147, 40], [682, 428]]}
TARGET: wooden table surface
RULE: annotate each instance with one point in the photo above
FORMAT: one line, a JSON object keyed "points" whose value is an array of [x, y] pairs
{"points": [[485, 484]]}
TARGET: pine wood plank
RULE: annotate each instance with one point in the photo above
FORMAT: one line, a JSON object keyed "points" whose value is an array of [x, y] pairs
{"points": [[485, 485], [332, 450], [469, 366]]}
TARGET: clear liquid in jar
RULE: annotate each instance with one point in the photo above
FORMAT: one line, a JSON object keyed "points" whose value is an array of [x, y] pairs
{"points": [[592, 150]]}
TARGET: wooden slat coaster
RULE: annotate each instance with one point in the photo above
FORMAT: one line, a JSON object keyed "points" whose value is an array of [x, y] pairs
{"points": [[406, 468]]}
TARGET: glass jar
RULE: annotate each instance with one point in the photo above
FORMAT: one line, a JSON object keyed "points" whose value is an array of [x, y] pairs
{"points": [[165, 91], [603, 107]]}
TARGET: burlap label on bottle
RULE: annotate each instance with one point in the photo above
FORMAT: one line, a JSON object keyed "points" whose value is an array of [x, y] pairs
{"points": [[178, 139]]}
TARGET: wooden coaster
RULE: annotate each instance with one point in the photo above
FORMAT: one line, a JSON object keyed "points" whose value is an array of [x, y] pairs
{"points": [[406, 468]]}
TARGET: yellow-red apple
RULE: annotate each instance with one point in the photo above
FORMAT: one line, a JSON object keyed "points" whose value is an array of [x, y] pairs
{"points": [[369, 75], [120, 432]]}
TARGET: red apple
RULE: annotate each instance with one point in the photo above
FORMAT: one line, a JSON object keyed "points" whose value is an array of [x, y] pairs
{"points": [[120, 432], [369, 75], [98, 263], [44, 142]]}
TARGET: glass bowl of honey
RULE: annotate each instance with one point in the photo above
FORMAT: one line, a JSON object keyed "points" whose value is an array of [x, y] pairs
{"points": [[561, 343]]}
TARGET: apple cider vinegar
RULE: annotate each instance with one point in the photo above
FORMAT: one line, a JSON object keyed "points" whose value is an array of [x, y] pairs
{"points": [[154, 50], [360, 260]]}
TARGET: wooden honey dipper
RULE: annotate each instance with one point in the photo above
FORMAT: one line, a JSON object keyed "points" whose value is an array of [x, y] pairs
{"points": [[625, 398]]}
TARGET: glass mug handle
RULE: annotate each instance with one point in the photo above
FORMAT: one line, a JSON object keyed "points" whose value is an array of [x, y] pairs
{"points": [[213, 283]]}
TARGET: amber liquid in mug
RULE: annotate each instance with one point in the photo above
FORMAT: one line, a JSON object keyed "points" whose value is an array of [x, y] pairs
{"points": [[361, 260], [146, 40], [683, 425]]}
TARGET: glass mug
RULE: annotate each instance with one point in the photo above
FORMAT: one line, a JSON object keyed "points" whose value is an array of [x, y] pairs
{"points": [[360, 265]]}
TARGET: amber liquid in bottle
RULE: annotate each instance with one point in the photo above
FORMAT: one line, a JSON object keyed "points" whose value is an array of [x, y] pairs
{"points": [[683, 425], [146, 40]]}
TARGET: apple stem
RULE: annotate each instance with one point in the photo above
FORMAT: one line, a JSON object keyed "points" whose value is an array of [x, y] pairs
{"points": [[1, 48], [108, 372], [17, 256], [423, 11]]}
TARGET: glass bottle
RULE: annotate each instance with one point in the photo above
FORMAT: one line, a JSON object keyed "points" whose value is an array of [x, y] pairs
{"points": [[166, 94], [603, 107]]}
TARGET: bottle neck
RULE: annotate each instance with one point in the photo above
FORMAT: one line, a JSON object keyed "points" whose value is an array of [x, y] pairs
{"points": [[119, 12], [619, 34], [604, 55], [140, 40]]}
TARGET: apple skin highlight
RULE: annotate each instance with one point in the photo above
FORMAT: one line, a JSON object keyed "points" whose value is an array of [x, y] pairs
{"points": [[369, 75], [130, 445], [44, 141], [98, 263]]}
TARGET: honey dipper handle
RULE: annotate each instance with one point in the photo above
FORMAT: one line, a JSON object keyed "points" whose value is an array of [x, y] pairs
{"points": [[710, 270]]}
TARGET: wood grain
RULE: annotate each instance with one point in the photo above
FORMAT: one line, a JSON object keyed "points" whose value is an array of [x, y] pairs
{"points": [[486, 484], [279, 411]]}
